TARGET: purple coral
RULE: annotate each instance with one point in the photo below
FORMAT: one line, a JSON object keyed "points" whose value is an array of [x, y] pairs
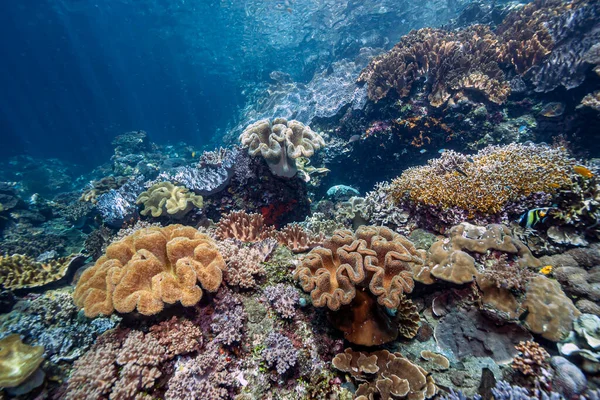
{"points": [[229, 317], [279, 352], [283, 298]]}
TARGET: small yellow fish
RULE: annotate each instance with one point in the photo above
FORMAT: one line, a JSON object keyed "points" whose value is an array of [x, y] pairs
{"points": [[583, 171], [193, 154], [547, 270]]}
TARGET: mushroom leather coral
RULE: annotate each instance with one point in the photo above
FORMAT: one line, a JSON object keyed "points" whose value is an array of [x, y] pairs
{"points": [[280, 142], [149, 268], [164, 198], [386, 375], [298, 240], [355, 274], [18, 360]]}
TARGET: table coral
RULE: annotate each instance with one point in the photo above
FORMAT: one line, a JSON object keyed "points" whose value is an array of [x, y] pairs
{"points": [[22, 272], [18, 361], [149, 268], [486, 183], [358, 276], [164, 199], [280, 142], [388, 375]]}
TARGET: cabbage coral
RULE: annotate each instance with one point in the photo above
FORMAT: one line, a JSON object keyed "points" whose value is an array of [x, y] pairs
{"points": [[487, 182]]}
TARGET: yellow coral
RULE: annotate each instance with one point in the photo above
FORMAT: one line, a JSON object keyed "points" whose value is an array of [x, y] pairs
{"points": [[18, 361], [149, 268], [165, 198], [22, 272], [486, 183]]}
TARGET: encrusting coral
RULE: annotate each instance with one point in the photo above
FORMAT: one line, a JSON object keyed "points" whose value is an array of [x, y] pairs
{"points": [[166, 199], [243, 226], [386, 375], [280, 143], [149, 268], [22, 272], [358, 276], [486, 183], [18, 361]]}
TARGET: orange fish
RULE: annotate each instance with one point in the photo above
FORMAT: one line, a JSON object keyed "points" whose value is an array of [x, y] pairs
{"points": [[583, 171]]}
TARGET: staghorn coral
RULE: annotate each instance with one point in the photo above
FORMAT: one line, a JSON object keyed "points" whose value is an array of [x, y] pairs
{"points": [[280, 142], [18, 361], [486, 184], [355, 275], [550, 313], [295, 238], [22, 272], [164, 198], [243, 226], [279, 352], [447, 61], [244, 262], [149, 268], [387, 375]]}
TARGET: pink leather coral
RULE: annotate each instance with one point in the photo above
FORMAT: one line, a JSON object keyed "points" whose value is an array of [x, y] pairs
{"points": [[243, 226], [149, 268]]}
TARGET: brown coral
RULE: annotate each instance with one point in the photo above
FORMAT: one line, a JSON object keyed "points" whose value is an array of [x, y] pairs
{"points": [[245, 263], [532, 358], [280, 143], [488, 182], [164, 198], [550, 313], [149, 268], [356, 274], [243, 226], [23, 272], [386, 375], [18, 361], [449, 61], [102, 186], [298, 240]]}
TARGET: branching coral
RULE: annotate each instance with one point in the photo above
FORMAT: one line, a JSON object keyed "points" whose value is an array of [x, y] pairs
{"points": [[280, 143], [448, 60], [486, 183], [279, 352], [243, 226], [22, 272], [149, 268], [244, 262], [532, 359], [283, 298], [386, 375], [164, 198], [359, 276], [294, 237]]}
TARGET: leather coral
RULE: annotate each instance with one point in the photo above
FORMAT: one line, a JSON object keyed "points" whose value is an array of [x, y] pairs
{"points": [[358, 276], [149, 268]]}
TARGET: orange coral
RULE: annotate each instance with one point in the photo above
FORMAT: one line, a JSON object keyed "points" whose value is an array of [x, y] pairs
{"points": [[363, 271], [149, 268]]}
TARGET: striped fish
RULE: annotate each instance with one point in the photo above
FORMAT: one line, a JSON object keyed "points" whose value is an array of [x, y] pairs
{"points": [[533, 216]]}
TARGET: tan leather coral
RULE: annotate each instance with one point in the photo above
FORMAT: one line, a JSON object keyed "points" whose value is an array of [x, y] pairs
{"points": [[18, 361], [149, 268], [358, 274], [385, 375], [280, 143], [297, 239], [166, 199]]}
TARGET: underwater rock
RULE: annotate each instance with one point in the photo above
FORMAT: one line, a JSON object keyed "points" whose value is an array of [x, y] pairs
{"points": [[568, 379]]}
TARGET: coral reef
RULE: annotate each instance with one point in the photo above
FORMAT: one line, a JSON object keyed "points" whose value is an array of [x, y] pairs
{"points": [[22, 272], [166, 199], [356, 274], [294, 237], [149, 268], [284, 299], [279, 352], [243, 226], [244, 262], [104, 185], [280, 142]]}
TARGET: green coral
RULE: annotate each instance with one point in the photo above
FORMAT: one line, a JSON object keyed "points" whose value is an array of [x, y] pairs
{"points": [[164, 198]]}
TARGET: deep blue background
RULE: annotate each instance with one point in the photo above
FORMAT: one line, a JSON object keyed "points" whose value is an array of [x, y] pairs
{"points": [[71, 81]]}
